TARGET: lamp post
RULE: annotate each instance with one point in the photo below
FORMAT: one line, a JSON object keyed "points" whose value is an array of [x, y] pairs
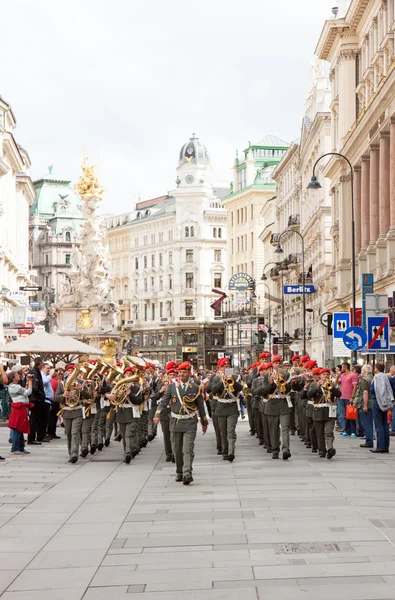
{"points": [[270, 304], [315, 185], [282, 267], [279, 250]]}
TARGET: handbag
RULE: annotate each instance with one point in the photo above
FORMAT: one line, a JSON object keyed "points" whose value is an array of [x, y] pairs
{"points": [[351, 412]]}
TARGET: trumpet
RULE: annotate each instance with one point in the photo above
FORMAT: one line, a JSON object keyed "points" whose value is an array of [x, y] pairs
{"points": [[280, 383]]}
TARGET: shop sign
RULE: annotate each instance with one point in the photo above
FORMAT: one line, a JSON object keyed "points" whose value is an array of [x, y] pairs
{"points": [[241, 281], [189, 349]]}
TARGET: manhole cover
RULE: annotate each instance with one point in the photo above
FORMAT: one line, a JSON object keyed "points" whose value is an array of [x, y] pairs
{"points": [[313, 548]]}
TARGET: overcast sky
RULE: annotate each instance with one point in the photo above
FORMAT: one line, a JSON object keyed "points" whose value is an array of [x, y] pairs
{"points": [[130, 80]]}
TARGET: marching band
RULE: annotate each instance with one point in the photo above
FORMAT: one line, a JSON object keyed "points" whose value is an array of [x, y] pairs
{"points": [[131, 398]]}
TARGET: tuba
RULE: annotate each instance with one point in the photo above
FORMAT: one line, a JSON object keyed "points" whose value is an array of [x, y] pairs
{"points": [[122, 388], [70, 386]]}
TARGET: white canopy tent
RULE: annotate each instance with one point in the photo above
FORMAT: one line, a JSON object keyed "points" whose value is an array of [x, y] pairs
{"points": [[50, 346]]}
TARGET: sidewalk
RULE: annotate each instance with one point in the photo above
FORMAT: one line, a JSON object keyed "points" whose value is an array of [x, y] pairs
{"points": [[256, 529]]}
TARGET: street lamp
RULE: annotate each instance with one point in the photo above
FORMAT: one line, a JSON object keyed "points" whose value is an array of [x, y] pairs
{"points": [[282, 266], [270, 319], [315, 185], [279, 250]]}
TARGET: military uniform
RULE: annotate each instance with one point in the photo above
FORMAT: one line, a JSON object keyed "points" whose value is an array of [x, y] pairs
{"points": [[156, 386], [260, 385], [73, 419], [214, 404], [277, 411], [128, 416], [324, 417], [227, 413], [185, 401]]}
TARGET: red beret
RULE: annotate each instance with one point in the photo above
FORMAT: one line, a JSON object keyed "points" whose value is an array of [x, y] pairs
{"points": [[311, 364], [268, 365], [70, 366], [185, 366], [262, 367], [325, 370], [129, 370], [91, 361], [171, 366], [316, 371], [119, 364], [276, 358], [264, 355], [295, 357], [305, 358], [222, 362]]}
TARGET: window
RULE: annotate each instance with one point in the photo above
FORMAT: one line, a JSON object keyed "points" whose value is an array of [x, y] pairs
{"points": [[46, 259], [170, 258], [252, 211], [136, 264], [153, 260], [135, 312], [232, 247], [152, 283], [125, 292], [68, 259], [252, 241], [217, 254], [189, 280], [192, 231], [136, 242], [170, 235], [241, 179], [161, 309], [238, 217], [161, 260], [231, 218], [170, 337], [215, 232], [245, 214], [161, 236], [145, 312], [145, 285], [153, 312], [252, 268], [187, 231], [217, 280], [160, 283], [145, 262], [136, 286], [189, 308], [189, 256], [146, 240], [68, 236], [189, 338], [170, 282], [220, 232], [153, 238], [238, 244], [46, 281]]}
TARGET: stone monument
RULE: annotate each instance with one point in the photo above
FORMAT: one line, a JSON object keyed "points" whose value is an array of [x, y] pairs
{"points": [[86, 306]]}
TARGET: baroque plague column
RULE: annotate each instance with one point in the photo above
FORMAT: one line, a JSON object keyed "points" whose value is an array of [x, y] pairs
{"points": [[86, 306]]}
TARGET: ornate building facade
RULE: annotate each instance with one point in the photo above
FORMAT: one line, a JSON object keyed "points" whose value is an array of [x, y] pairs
{"points": [[54, 228], [16, 195], [359, 47], [167, 256], [306, 214], [252, 187]]}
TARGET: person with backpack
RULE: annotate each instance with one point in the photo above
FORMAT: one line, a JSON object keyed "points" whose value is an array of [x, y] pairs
{"points": [[382, 401]]}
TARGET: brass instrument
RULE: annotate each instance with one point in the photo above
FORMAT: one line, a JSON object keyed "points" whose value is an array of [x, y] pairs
{"points": [[280, 383], [121, 388], [71, 386], [328, 386], [229, 384]]}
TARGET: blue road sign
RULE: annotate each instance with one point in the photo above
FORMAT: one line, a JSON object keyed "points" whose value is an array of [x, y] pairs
{"points": [[378, 333], [340, 324], [355, 338], [298, 289]]}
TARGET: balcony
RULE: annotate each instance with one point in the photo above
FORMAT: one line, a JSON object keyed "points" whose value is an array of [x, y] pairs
{"points": [[274, 239], [294, 222]]}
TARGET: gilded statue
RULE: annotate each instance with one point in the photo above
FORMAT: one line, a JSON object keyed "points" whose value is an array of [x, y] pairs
{"points": [[88, 186], [108, 346]]}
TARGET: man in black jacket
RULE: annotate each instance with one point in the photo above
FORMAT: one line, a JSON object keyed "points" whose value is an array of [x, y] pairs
{"points": [[38, 421]]}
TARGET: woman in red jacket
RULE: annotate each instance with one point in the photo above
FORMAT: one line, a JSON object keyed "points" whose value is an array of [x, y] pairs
{"points": [[19, 418]]}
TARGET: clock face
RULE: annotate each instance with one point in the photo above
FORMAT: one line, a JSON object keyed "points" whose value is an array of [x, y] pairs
{"points": [[189, 179]]}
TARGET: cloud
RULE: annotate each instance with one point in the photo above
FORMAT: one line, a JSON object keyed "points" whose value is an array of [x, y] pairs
{"points": [[130, 81]]}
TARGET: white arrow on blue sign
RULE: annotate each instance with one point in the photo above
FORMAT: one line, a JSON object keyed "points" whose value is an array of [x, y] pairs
{"points": [[355, 338]]}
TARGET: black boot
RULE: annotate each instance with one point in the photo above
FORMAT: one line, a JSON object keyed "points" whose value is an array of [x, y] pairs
{"points": [[93, 449], [107, 442]]}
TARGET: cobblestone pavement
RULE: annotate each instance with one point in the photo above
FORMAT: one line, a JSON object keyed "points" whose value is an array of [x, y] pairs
{"points": [[254, 529]]}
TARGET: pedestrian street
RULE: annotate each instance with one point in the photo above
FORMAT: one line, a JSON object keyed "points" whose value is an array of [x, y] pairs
{"points": [[255, 528]]}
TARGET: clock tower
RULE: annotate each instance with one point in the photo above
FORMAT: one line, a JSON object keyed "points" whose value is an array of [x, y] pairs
{"points": [[194, 166]]}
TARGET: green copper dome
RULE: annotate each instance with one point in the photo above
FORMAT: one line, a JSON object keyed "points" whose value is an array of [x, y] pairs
{"points": [[55, 196]]}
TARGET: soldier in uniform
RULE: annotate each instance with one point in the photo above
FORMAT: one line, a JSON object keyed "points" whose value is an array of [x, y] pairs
{"points": [[72, 417], [128, 416], [252, 374], [225, 390], [248, 397], [324, 414], [156, 386], [277, 408], [214, 404], [302, 401], [171, 372], [260, 385], [310, 388], [185, 399], [294, 395]]}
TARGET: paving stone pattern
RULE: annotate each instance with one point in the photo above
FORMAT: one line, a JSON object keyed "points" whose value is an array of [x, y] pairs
{"points": [[304, 529]]}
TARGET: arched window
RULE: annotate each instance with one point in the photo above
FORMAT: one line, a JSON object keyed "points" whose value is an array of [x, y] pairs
{"points": [[219, 232], [68, 236], [192, 231], [187, 231], [138, 216], [215, 232]]}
